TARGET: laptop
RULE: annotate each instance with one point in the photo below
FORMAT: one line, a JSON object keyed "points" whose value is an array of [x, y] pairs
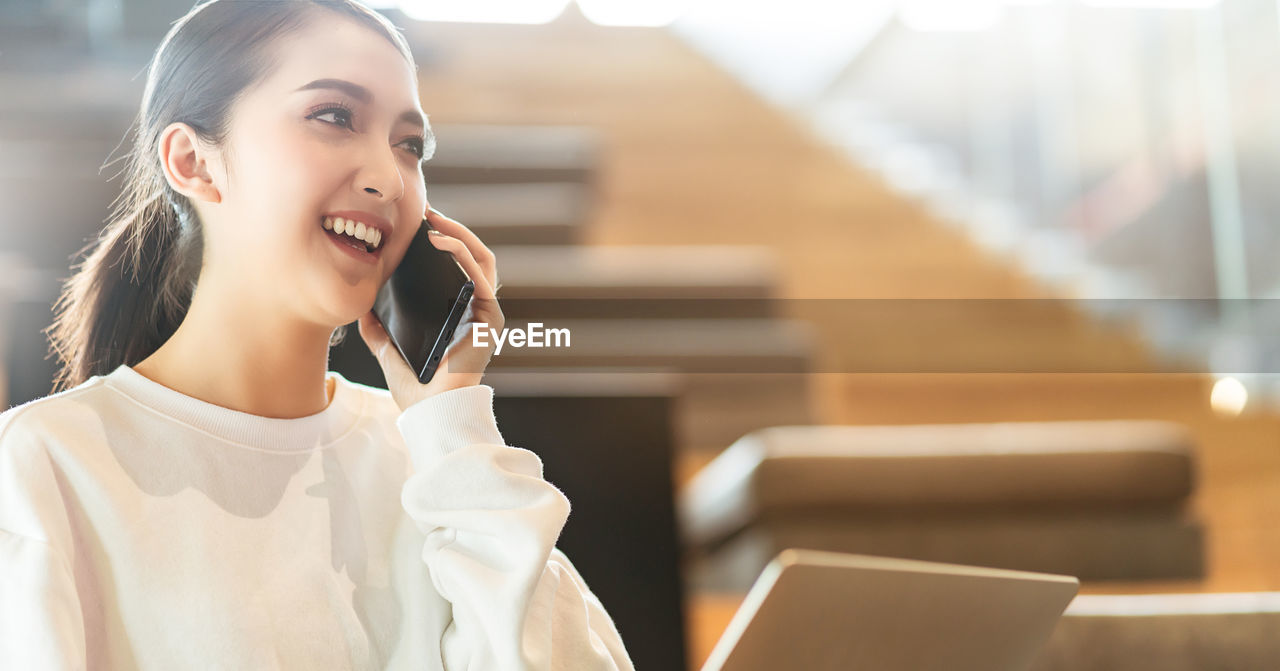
{"points": [[828, 611]]}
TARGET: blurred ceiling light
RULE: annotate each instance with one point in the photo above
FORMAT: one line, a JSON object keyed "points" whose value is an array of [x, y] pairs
{"points": [[790, 53], [485, 11], [1154, 4], [950, 16], [1228, 397], [631, 13]]}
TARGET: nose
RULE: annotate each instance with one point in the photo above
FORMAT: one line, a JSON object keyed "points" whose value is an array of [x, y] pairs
{"points": [[380, 175]]}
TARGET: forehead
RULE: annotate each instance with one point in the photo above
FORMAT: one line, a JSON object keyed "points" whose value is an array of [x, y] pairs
{"points": [[331, 46]]}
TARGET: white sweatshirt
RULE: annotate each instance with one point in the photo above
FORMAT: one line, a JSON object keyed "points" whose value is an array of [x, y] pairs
{"points": [[143, 528]]}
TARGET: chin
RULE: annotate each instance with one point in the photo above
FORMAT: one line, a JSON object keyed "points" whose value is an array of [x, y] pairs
{"points": [[352, 310]]}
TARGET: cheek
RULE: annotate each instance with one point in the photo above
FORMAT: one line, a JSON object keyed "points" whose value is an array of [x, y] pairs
{"points": [[415, 196], [401, 247], [287, 184]]}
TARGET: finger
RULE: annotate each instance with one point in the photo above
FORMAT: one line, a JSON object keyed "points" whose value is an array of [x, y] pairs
{"points": [[456, 229], [478, 250], [484, 290], [481, 252]]}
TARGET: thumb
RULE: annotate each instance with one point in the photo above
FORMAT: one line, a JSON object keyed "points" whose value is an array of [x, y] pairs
{"points": [[375, 337], [401, 380]]}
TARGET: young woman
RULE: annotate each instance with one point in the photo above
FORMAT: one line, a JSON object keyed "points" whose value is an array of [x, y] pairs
{"points": [[200, 492]]}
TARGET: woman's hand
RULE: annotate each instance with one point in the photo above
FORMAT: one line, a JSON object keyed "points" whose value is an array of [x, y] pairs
{"points": [[462, 364]]}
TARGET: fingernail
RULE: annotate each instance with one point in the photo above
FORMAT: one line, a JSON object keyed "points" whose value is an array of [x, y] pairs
{"points": [[435, 232]]}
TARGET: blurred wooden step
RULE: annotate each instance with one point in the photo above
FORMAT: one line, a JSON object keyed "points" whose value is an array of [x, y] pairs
{"points": [[651, 281], [551, 213], [1172, 631], [901, 398], [511, 153], [738, 375]]}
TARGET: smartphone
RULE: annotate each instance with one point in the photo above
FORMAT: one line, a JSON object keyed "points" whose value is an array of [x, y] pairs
{"points": [[422, 303]]}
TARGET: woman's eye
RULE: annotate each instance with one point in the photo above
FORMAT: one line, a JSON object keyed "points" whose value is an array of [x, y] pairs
{"points": [[416, 145], [342, 116]]}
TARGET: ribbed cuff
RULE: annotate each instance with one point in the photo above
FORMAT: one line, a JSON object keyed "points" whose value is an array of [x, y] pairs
{"points": [[449, 421]]}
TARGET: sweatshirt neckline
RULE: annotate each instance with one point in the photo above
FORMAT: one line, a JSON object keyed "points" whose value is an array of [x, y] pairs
{"points": [[242, 428]]}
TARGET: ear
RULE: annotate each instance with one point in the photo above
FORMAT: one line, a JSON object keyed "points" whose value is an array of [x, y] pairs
{"points": [[186, 161]]}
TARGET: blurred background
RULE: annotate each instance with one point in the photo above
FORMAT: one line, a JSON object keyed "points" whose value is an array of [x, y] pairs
{"points": [[795, 240]]}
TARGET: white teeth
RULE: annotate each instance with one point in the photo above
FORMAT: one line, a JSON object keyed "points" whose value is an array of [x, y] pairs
{"points": [[355, 229]]}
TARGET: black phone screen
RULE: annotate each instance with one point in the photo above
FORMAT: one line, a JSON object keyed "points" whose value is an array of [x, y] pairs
{"points": [[422, 303]]}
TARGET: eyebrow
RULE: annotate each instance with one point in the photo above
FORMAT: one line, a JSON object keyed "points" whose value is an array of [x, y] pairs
{"points": [[364, 96]]}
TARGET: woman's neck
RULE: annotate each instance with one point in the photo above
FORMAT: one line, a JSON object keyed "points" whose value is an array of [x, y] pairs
{"points": [[281, 374]]}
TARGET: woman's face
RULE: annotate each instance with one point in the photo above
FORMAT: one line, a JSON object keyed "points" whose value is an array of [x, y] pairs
{"points": [[336, 128]]}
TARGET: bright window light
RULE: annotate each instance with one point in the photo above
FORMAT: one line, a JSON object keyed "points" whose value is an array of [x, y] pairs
{"points": [[936, 16], [485, 11], [787, 52], [1154, 4], [633, 13]]}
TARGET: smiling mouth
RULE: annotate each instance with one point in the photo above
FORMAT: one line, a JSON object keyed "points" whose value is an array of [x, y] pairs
{"points": [[353, 234]]}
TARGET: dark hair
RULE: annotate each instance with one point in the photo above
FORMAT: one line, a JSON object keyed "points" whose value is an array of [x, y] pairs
{"points": [[134, 287]]}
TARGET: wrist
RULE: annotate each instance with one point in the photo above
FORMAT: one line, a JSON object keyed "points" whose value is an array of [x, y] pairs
{"points": [[450, 420]]}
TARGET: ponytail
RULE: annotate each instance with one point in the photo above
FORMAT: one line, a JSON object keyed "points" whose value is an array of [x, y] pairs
{"points": [[131, 292]]}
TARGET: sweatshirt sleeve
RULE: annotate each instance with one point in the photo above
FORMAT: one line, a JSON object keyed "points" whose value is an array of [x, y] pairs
{"points": [[491, 523], [41, 626]]}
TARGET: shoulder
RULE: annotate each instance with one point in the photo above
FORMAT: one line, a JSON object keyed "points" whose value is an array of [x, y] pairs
{"points": [[37, 441], [42, 421], [63, 432]]}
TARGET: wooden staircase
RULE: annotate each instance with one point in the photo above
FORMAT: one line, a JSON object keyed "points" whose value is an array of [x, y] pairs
{"points": [[692, 157]]}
